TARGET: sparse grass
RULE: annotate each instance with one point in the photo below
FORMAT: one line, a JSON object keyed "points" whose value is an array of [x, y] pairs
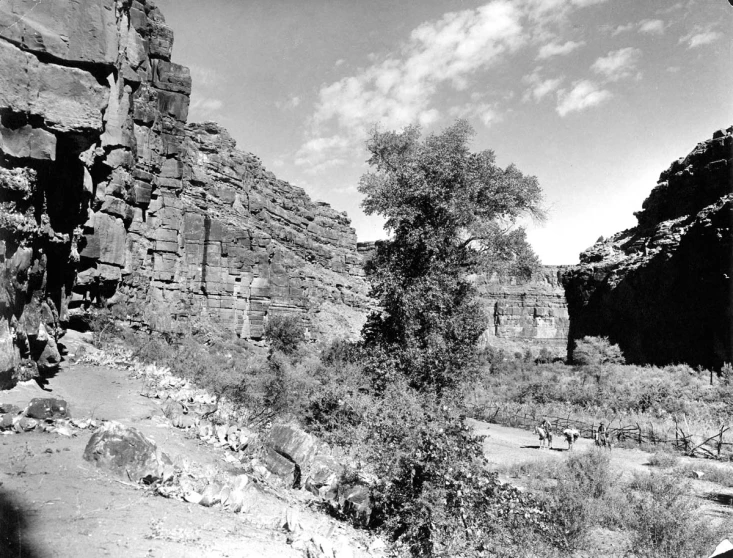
{"points": [[663, 460], [711, 472]]}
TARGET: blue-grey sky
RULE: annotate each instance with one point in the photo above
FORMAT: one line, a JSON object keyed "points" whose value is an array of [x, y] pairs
{"points": [[594, 97]]}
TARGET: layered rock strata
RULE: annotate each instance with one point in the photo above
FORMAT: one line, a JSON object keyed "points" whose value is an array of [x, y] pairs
{"points": [[530, 311], [107, 195], [526, 311], [663, 289]]}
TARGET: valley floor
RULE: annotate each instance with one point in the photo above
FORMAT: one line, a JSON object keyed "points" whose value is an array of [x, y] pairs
{"points": [[58, 505]]}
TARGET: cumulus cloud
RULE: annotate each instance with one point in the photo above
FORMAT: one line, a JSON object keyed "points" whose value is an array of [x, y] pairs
{"points": [[618, 64], [398, 90], [555, 49], [292, 102], [203, 108], [700, 36], [622, 29], [539, 88], [449, 53], [651, 26], [584, 94], [487, 113], [204, 77]]}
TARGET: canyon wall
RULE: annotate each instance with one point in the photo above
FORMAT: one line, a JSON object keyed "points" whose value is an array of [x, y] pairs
{"points": [[533, 311], [663, 289], [107, 195]]}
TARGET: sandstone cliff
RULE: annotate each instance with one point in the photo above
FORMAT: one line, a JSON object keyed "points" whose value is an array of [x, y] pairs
{"points": [[663, 289], [107, 194], [529, 311]]}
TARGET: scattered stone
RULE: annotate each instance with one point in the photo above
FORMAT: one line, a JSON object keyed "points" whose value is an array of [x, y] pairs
{"points": [[211, 495]]}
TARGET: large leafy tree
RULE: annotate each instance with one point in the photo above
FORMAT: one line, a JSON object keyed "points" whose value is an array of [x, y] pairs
{"points": [[450, 213]]}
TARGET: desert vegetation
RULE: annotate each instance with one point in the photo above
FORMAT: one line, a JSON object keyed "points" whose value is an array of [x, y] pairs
{"points": [[393, 404]]}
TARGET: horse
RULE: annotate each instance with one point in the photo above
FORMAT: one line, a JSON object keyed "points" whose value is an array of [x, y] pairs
{"points": [[603, 440], [571, 435], [545, 437]]}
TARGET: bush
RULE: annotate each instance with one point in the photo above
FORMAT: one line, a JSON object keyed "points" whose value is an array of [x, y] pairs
{"points": [[665, 521], [575, 502], [594, 351], [285, 333], [663, 460]]}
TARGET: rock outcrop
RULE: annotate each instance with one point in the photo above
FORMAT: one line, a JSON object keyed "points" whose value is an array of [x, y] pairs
{"points": [[528, 311], [663, 290], [106, 195]]}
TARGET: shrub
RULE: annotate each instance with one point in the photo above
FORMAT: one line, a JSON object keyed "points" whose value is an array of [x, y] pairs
{"points": [[726, 374], [583, 482], [663, 460], [285, 333], [594, 351], [664, 520]]}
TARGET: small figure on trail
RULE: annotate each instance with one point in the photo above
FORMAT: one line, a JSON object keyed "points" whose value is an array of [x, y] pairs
{"points": [[546, 424], [544, 431], [602, 439], [571, 436]]}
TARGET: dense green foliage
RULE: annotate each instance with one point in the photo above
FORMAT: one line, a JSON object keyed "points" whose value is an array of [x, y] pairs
{"points": [[450, 213]]}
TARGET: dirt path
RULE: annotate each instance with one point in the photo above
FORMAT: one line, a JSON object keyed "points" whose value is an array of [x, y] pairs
{"points": [[505, 446], [58, 505]]}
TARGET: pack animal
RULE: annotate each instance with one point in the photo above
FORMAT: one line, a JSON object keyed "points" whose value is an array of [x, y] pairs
{"points": [[545, 436], [571, 436]]}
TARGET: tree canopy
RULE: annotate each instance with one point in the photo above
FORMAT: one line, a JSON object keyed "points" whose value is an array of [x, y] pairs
{"points": [[450, 213]]}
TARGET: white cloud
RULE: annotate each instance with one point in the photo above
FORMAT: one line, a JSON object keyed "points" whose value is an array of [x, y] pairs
{"points": [[204, 77], [203, 108], [539, 88], [583, 95], [487, 113], [622, 29], [618, 64], [407, 85], [292, 102], [700, 36], [400, 89], [322, 153], [651, 26], [556, 49]]}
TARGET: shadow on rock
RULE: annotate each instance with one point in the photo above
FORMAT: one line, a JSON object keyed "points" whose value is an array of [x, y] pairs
{"points": [[15, 533]]}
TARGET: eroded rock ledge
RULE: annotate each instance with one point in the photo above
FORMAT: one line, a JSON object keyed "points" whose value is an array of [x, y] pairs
{"points": [[106, 194], [663, 290]]}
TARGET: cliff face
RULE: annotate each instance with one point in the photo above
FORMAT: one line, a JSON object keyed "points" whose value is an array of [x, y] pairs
{"points": [[107, 194], [663, 290], [527, 312], [532, 311]]}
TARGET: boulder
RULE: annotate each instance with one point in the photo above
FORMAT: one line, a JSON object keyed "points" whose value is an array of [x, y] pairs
{"points": [[9, 358], [125, 452], [323, 475], [281, 467], [47, 408], [293, 443]]}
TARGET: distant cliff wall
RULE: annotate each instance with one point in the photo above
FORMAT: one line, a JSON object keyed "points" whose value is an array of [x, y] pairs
{"points": [[533, 311], [663, 290], [107, 195]]}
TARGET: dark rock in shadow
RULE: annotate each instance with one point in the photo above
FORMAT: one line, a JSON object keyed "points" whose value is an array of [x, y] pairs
{"points": [[15, 533]]}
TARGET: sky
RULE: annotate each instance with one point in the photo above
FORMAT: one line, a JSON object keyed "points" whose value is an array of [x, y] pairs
{"points": [[593, 97]]}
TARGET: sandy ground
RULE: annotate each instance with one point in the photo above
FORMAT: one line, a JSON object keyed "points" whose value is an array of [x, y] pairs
{"points": [[53, 503]]}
